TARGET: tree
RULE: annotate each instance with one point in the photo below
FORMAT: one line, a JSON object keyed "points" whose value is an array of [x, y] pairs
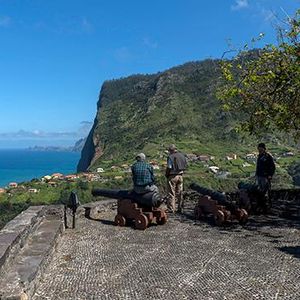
{"points": [[263, 85]]}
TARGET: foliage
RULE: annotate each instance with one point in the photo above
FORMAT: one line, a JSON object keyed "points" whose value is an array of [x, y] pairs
{"points": [[294, 171], [264, 85], [10, 209]]}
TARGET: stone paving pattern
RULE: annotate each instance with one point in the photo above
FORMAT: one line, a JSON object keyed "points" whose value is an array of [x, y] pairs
{"points": [[180, 260]]}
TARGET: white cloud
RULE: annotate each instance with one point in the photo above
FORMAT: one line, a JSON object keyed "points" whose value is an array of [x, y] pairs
{"points": [[36, 132], [123, 55], [240, 4], [81, 132], [85, 127], [70, 26], [5, 21], [21, 134], [86, 25], [268, 15], [149, 43]]}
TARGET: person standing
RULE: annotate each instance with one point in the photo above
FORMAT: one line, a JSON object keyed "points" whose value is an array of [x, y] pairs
{"points": [[176, 165], [265, 169]]}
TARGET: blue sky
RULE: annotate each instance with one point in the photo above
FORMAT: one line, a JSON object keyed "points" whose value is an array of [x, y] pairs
{"points": [[55, 54]]}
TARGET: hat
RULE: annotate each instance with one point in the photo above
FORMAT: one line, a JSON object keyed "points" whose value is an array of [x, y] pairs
{"points": [[172, 147], [261, 145], [142, 156]]}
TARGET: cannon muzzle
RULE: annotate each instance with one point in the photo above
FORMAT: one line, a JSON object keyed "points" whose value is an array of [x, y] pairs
{"points": [[114, 194], [220, 197]]}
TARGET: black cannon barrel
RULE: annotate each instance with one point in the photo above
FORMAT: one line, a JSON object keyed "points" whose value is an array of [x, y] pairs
{"points": [[220, 197], [145, 200], [250, 187], [114, 194]]}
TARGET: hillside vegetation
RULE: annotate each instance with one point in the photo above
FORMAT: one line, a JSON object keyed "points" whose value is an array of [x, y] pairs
{"points": [[148, 112], [177, 105]]}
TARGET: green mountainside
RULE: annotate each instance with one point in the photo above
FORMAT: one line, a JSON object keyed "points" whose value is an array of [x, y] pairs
{"points": [[173, 106], [145, 113]]}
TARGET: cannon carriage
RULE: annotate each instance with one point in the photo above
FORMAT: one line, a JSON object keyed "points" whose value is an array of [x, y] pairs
{"points": [[284, 202], [219, 205], [139, 209], [129, 211]]}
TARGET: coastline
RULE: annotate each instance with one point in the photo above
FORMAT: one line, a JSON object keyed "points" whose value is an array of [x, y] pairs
{"points": [[20, 165]]}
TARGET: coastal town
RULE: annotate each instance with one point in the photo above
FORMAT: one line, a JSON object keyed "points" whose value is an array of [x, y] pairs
{"points": [[219, 167]]}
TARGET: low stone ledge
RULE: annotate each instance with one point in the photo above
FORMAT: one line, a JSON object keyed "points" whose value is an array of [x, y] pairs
{"points": [[14, 234], [93, 210], [27, 267]]}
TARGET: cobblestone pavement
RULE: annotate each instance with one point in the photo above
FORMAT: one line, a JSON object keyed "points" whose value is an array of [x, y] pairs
{"points": [[179, 260]]}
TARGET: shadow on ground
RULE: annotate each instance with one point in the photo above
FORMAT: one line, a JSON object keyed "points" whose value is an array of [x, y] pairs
{"points": [[295, 251], [103, 221]]}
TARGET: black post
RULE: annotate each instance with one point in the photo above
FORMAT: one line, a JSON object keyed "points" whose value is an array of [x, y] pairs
{"points": [[73, 205], [65, 216], [73, 222]]}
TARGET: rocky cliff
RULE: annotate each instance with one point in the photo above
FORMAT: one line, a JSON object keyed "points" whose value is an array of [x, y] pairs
{"points": [[177, 104]]}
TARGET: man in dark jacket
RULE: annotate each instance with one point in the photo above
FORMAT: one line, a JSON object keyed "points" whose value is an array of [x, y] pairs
{"points": [[265, 169], [176, 164]]}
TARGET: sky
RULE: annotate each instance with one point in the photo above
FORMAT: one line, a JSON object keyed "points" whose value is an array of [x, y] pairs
{"points": [[56, 54]]}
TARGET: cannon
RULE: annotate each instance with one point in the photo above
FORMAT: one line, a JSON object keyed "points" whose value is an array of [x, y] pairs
{"points": [[259, 201], [142, 209], [219, 205]]}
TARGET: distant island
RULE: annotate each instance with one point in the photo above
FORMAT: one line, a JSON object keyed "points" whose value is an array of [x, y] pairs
{"points": [[77, 147]]}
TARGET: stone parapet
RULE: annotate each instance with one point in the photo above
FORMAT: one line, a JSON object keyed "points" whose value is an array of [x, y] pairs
{"points": [[26, 245], [15, 233]]}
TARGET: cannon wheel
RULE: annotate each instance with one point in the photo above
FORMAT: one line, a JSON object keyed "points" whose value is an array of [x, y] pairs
{"points": [[244, 218], [120, 220], [162, 220], [219, 218], [227, 215], [141, 222], [198, 212]]}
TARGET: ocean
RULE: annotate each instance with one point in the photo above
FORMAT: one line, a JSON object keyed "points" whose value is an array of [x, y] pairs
{"points": [[23, 165]]}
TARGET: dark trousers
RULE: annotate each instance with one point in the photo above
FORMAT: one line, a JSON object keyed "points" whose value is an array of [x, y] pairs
{"points": [[264, 186]]}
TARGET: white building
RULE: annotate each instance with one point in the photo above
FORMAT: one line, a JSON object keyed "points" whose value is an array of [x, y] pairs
{"points": [[214, 169]]}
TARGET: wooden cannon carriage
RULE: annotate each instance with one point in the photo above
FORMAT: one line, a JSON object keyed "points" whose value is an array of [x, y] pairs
{"points": [[206, 205], [139, 209], [218, 205], [129, 211]]}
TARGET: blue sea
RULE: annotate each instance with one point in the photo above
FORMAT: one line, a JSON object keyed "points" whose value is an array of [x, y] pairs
{"points": [[23, 165]]}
